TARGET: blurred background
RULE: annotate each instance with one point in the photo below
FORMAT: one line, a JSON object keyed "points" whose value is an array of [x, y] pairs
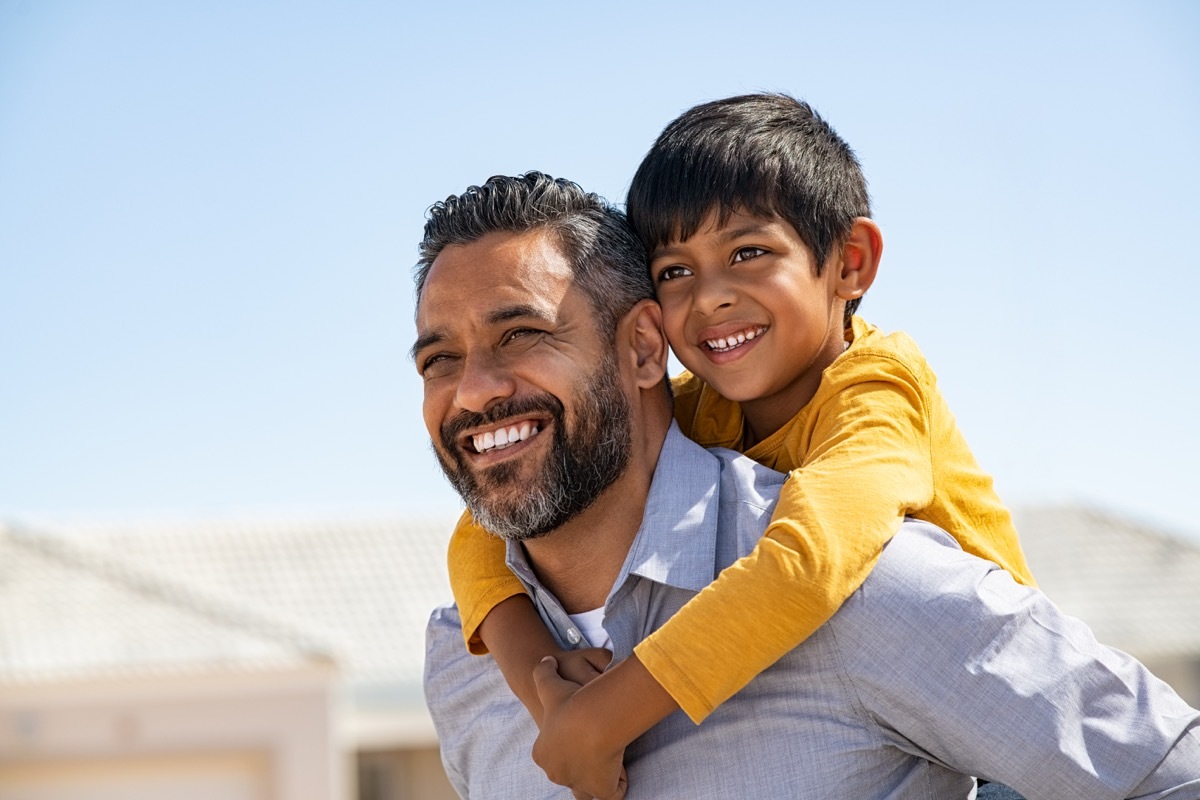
{"points": [[208, 217]]}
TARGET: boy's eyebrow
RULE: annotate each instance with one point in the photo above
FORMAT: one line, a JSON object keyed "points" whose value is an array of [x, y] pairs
{"points": [[499, 315], [725, 236]]}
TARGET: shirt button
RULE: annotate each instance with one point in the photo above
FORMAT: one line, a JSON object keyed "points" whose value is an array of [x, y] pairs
{"points": [[573, 636]]}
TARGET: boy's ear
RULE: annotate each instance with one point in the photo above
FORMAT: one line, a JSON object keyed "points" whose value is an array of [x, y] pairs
{"points": [[643, 331], [861, 250]]}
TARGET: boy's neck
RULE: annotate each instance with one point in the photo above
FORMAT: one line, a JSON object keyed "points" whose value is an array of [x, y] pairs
{"points": [[763, 416]]}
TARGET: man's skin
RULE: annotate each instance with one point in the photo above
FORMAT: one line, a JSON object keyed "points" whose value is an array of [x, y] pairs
{"points": [[499, 320]]}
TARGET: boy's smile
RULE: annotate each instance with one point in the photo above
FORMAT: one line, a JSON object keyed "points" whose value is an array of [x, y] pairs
{"points": [[726, 344], [745, 310]]}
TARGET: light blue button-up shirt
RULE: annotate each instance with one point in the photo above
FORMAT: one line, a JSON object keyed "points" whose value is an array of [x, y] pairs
{"points": [[939, 667]]}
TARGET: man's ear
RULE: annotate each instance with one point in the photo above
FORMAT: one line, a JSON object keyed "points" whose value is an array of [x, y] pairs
{"points": [[861, 250], [642, 330]]}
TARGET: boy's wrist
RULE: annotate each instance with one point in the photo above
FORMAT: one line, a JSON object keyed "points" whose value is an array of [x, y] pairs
{"points": [[623, 703]]}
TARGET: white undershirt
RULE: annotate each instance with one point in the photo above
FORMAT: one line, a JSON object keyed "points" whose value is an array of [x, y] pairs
{"points": [[591, 627]]}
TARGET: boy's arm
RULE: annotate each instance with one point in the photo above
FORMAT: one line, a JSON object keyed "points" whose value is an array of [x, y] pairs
{"points": [[867, 462], [584, 733], [479, 578], [498, 616]]}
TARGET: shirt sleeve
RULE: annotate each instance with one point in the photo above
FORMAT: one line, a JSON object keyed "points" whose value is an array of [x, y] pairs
{"points": [[865, 461], [959, 664], [479, 577]]}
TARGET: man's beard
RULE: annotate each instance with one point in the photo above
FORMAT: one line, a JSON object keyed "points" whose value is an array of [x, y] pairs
{"points": [[582, 463]]}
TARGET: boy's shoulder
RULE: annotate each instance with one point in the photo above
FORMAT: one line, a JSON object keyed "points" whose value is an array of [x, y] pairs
{"points": [[871, 349]]}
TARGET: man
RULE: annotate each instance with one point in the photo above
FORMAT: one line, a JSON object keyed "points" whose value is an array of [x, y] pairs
{"points": [[534, 313]]}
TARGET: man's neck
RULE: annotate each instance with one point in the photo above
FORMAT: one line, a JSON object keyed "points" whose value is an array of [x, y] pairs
{"points": [[579, 562]]}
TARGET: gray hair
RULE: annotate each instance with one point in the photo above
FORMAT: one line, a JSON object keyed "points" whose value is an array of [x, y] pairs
{"points": [[605, 254]]}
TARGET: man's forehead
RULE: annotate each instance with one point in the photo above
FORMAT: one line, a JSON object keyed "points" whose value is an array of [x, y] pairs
{"points": [[501, 269]]}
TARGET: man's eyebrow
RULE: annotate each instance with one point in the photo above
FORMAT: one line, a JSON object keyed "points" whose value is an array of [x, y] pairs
{"points": [[500, 315], [520, 311], [425, 340]]}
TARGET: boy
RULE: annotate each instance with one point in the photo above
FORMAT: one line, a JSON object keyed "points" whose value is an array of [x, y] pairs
{"points": [[756, 219]]}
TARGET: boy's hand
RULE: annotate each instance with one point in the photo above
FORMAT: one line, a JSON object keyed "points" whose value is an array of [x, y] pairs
{"points": [[583, 665], [570, 750]]}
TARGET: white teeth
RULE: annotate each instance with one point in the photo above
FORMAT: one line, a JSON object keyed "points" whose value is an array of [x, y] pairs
{"points": [[725, 344], [502, 438]]}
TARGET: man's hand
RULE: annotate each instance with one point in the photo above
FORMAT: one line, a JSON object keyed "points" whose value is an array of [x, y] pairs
{"points": [[570, 749]]}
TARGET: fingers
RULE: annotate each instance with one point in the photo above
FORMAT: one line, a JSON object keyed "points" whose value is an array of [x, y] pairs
{"points": [[598, 657], [584, 665], [547, 681]]}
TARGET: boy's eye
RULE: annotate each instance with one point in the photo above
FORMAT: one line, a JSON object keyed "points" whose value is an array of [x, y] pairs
{"points": [[673, 272], [747, 253]]}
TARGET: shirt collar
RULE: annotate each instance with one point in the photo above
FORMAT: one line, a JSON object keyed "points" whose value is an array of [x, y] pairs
{"points": [[676, 544]]}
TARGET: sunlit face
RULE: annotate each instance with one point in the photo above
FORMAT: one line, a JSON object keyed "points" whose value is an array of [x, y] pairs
{"points": [[523, 402], [744, 309]]}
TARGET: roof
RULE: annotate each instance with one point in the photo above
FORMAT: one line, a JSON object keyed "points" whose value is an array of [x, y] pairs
{"points": [[365, 588], [1136, 585], [70, 612], [152, 595]]}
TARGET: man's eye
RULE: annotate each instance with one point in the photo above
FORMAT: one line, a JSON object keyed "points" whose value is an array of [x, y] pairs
{"points": [[521, 333], [747, 253], [673, 272], [434, 364]]}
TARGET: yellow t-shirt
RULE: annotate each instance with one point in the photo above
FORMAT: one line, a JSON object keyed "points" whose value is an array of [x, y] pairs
{"points": [[876, 443]]}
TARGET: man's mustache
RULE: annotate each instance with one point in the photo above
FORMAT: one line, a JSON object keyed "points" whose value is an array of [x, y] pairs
{"points": [[465, 420]]}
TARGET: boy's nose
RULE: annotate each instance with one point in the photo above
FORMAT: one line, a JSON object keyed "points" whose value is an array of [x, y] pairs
{"points": [[712, 293], [482, 383]]}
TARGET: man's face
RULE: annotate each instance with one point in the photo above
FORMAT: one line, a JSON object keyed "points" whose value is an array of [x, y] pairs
{"points": [[523, 398]]}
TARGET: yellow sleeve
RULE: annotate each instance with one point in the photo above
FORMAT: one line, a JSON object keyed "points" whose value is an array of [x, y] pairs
{"points": [[866, 460], [479, 577]]}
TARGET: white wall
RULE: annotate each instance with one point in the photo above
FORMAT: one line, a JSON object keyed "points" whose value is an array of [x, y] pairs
{"points": [[245, 736]]}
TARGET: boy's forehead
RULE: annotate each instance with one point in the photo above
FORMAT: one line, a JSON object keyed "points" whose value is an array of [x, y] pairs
{"points": [[723, 224]]}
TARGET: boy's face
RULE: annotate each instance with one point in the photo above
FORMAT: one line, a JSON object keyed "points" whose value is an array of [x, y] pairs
{"points": [[745, 310]]}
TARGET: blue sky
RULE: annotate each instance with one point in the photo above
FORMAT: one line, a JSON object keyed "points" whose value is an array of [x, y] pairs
{"points": [[209, 213]]}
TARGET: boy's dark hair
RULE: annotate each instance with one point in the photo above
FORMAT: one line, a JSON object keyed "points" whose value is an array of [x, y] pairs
{"points": [[760, 154], [606, 255]]}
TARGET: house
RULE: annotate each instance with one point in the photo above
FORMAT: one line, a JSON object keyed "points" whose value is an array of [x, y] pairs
{"points": [[1137, 586], [248, 608], [283, 660], [117, 682]]}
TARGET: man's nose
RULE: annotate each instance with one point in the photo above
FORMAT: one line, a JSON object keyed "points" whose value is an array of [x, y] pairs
{"points": [[484, 381]]}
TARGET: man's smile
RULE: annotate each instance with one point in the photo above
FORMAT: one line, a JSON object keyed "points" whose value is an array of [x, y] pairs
{"points": [[504, 436]]}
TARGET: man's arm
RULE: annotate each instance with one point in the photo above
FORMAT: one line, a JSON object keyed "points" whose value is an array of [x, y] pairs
{"points": [[965, 667]]}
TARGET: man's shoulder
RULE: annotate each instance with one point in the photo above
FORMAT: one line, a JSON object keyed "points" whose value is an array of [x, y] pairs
{"points": [[745, 481], [924, 580]]}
